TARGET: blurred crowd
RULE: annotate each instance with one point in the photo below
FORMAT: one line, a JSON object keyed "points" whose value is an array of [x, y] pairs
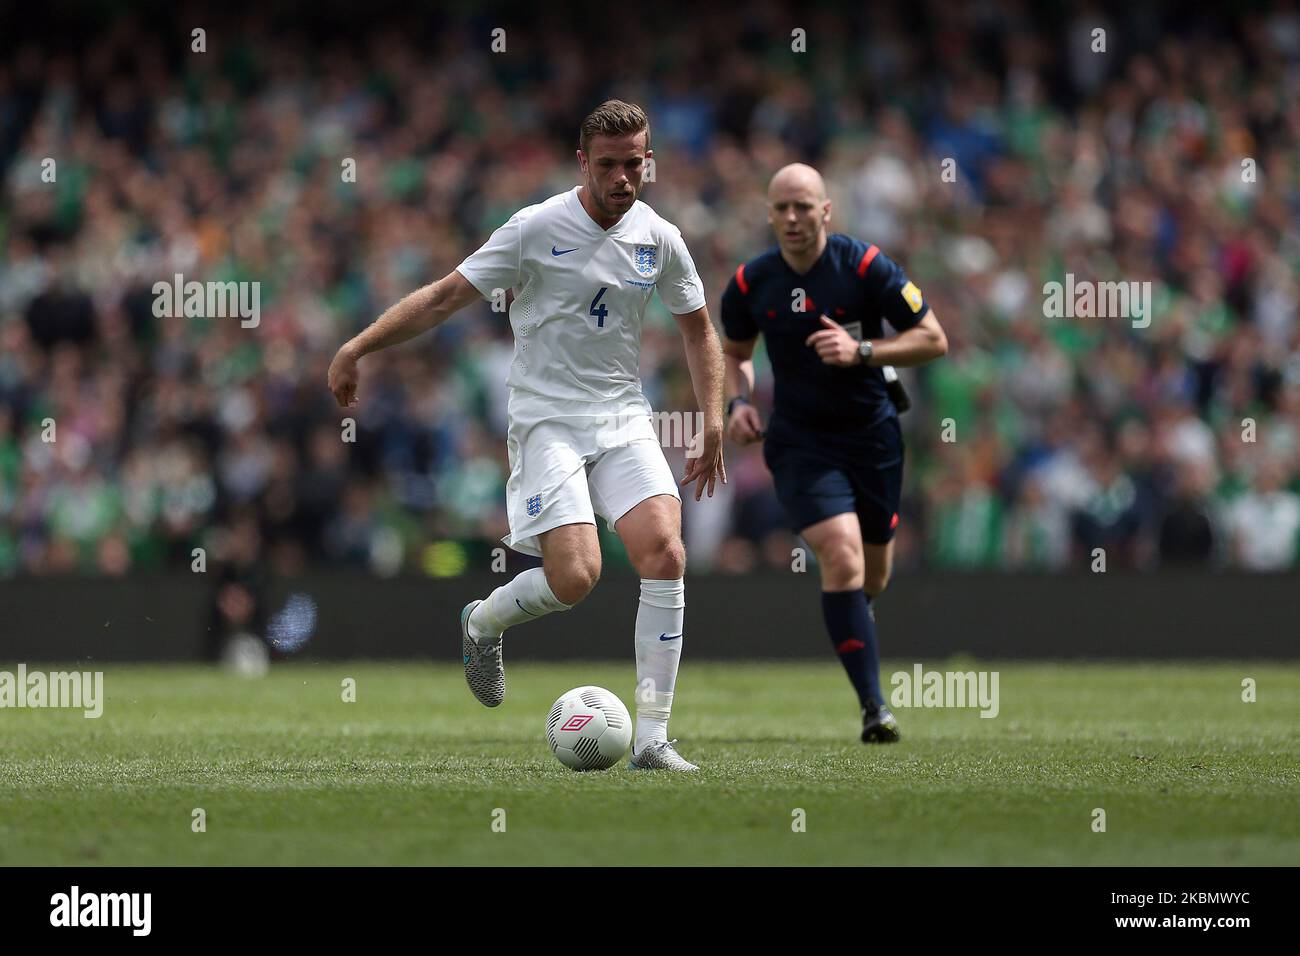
{"points": [[128, 440]]}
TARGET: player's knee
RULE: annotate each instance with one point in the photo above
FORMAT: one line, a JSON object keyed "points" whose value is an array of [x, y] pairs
{"points": [[663, 560], [574, 579]]}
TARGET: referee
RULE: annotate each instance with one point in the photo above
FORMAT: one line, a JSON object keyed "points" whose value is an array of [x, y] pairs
{"points": [[833, 443]]}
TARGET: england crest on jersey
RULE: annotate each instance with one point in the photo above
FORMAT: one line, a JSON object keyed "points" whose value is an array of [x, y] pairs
{"points": [[646, 259]]}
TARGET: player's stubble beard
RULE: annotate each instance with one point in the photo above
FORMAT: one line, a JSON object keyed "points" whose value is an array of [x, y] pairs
{"points": [[599, 194], [598, 198]]}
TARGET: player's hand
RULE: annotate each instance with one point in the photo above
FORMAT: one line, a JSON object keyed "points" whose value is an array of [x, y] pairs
{"points": [[343, 376], [834, 345], [745, 425], [704, 464]]}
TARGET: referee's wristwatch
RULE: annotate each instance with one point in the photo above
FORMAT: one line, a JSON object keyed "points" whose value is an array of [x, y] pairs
{"points": [[738, 400], [865, 350]]}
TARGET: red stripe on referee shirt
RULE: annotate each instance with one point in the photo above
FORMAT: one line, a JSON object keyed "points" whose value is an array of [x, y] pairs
{"points": [[866, 260], [740, 279]]}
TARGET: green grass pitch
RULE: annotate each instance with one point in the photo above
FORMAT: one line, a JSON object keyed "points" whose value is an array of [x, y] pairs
{"points": [[412, 772]]}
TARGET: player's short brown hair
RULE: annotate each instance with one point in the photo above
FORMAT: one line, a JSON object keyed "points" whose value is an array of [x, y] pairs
{"points": [[614, 118]]}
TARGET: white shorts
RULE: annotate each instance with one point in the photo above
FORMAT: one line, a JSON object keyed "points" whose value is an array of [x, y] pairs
{"points": [[568, 469]]}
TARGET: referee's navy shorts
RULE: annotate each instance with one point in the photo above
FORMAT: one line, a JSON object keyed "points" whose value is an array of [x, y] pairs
{"points": [[820, 475]]}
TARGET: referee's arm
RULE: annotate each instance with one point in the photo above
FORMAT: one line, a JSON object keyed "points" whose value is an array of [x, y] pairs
{"points": [[923, 342], [744, 424], [739, 336]]}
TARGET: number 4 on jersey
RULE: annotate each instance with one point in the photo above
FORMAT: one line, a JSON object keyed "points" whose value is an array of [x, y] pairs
{"points": [[602, 311]]}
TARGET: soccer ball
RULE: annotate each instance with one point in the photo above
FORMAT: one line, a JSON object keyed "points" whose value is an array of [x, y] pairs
{"points": [[589, 729]]}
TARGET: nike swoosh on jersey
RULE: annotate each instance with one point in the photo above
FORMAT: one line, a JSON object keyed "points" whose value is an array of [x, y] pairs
{"points": [[670, 637], [561, 252]]}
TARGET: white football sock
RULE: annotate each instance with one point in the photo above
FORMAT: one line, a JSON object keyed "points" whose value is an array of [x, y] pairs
{"points": [[527, 596], [658, 652]]}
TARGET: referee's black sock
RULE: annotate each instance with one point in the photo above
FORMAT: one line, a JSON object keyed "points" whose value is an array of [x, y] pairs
{"points": [[852, 628]]}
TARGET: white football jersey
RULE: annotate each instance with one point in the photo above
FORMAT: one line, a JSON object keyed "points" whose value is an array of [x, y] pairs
{"points": [[580, 294]]}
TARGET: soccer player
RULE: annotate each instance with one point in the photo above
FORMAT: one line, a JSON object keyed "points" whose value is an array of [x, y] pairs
{"points": [[581, 267], [833, 443]]}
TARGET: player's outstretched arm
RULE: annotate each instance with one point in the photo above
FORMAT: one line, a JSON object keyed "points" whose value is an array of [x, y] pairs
{"points": [[704, 464], [744, 424], [420, 311]]}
